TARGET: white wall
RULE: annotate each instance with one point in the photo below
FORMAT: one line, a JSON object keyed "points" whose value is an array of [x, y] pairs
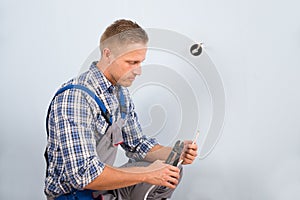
{"points": [[255, 45]]}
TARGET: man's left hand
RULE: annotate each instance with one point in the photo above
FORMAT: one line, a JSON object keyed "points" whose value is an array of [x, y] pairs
{"points": [[189, 152]]}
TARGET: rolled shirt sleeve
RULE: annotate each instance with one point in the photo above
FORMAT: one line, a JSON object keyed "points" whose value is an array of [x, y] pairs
{"points": [[136, 144]]}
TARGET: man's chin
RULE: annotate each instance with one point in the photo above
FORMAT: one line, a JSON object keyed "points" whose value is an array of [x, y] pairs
{"points": [[126, 83]]}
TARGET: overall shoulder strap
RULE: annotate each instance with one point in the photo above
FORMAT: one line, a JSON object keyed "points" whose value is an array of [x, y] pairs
{"points": [[104, 112]]}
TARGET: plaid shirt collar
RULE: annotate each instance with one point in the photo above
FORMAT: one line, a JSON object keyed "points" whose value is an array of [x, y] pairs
{"points": [[106, 85]]}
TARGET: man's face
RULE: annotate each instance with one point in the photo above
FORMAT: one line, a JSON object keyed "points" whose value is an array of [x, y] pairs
{"points": [[127, 66]]}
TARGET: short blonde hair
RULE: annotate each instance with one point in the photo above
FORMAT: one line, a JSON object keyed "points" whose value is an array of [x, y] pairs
{"points": [[123, 32]]}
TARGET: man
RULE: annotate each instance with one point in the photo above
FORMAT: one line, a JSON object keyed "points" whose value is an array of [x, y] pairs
{"points": [[92, 114]]}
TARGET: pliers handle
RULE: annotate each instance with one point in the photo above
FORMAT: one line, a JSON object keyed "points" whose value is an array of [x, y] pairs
{"points": [[175, 154]]}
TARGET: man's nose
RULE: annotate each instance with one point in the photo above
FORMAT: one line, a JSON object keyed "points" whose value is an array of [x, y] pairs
{"points": [[137, 70]]}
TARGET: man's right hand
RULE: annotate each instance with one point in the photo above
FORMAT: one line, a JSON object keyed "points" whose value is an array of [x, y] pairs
{"points": [[160, 173]]}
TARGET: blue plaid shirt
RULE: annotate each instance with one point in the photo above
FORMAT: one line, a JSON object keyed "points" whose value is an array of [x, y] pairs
{"points": [[75, 125]]}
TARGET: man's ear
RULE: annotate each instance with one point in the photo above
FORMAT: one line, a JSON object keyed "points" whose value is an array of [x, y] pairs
{"points": [[106, 52]]}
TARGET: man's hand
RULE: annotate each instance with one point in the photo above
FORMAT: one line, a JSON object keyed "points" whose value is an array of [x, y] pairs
{"points": [[189, 152], [160, 173]]}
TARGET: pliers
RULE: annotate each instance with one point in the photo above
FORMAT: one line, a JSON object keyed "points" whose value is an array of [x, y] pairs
{"points": [[175, 154]]}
